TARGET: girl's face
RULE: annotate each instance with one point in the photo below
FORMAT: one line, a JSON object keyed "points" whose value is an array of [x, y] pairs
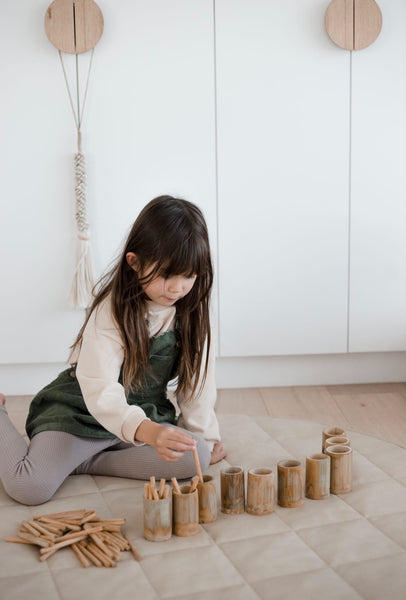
{"points": [[164, 291]]}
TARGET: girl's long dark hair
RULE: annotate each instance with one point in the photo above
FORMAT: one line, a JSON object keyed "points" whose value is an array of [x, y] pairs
{"points": [[170, 235]]}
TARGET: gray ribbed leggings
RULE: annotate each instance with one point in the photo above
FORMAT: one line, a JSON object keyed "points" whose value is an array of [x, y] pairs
{"points": [[32, 473]]}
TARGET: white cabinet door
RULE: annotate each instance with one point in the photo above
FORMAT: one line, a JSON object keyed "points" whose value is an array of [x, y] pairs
{"points": [[148, 130], [283, 172], [378, 198]]}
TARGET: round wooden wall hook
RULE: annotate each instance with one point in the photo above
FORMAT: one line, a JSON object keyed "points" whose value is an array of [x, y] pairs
{"points": [[74, 26], [353, 24]]}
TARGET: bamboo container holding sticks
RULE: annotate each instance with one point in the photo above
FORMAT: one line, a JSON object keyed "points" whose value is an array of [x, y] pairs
{"points": [[157, 512]]}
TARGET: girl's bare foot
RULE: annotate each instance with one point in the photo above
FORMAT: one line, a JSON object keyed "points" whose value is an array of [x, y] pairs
{"points": [[2, 399], [218, 453]]}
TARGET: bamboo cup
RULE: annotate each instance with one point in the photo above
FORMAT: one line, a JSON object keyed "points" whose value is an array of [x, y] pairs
{"points": [[290, 483], [330, 432], [232, 490], [185, 512], [260, 492], [207, 500], [158, 519], [317, 476], [341, 440], [341, 469]]}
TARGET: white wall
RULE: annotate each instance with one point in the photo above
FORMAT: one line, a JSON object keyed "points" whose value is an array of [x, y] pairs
{"points": [[150, 128]]}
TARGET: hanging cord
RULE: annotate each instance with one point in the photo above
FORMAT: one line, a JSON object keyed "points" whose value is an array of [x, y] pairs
{"points": [[83, 279], [78, 118]]}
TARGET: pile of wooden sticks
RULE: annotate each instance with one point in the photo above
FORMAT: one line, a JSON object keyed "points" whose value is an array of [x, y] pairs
{"points": [[93, 540]]}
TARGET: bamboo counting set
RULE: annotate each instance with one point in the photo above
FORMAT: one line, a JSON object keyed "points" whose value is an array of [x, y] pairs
{"points": [[327, 472], [181, 509]]}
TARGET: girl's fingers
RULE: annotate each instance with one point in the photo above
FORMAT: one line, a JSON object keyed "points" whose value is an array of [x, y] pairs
{"points": [[179, 436], [171, 456], [178, 446]]}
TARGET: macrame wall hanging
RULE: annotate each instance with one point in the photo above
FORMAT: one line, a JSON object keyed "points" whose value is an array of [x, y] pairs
{"points": [[75, 27]]}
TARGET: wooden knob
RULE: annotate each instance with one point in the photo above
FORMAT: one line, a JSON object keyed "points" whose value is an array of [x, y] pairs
{"points": [[74, 27], [353, 24]]}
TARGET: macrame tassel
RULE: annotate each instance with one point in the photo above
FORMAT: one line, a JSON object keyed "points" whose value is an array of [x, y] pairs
{"points": [[83, 279]]}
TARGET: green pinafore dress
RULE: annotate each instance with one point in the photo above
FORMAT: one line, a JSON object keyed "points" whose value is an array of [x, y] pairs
{"points": [[60, 406]]}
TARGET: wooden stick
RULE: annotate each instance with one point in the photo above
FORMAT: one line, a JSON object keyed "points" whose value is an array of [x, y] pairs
{"points": [[153, 488], [73, 525], [175, 485], [62, 525], [74, 534], [146, 490], [107, 522], [161, 487], [82, 558], [99, 542], [35, 540], [112, 528], [17, 540], [113, 540], [73, 514], [56, 525], [122, 540], [166, 492], [51, 528], [132, 548], [26, 526], [112, 543], [197, 463], [66, 542], [106, 560], [90, 556], [43, 530], [90, 517], [193, 486]]}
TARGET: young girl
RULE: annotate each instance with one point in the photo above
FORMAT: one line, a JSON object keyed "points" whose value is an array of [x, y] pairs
{"points": [[109, 413]]}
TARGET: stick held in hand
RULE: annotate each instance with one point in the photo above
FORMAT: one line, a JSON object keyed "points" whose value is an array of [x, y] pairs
{"points": [[197, 463]]}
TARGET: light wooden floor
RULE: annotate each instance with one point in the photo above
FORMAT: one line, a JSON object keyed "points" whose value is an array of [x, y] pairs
{"points": [[376, 409]]}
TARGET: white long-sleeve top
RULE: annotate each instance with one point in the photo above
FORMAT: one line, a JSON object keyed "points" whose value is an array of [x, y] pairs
{"points": [[99, 360]]}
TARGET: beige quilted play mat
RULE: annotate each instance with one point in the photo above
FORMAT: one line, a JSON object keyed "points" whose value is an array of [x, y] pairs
{"points": [[342, 548]]}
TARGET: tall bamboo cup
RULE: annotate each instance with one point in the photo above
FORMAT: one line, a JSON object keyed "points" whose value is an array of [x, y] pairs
{"points": [[290, 483], [330, 432], [260, 492], [232, 490], [341, 469], [158, 519], [317, 476], [185, 512], [207, 500]]}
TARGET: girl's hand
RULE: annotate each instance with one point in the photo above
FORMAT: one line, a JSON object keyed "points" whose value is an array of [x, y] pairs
{"points": [[169, 442], [218, 453]]}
